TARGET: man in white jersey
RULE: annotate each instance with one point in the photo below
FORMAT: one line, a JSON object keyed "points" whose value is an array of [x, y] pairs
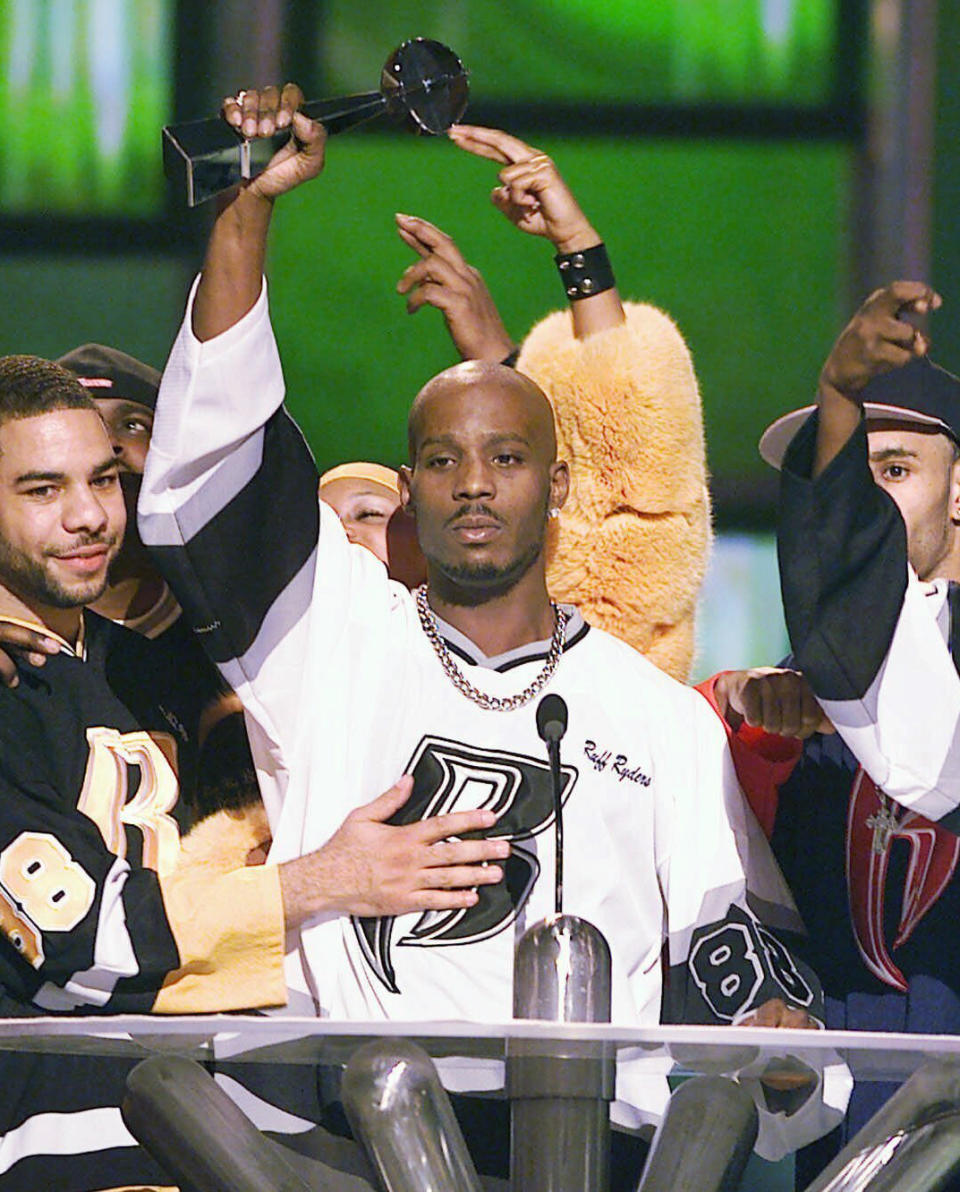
{"points": [[348, 678]]}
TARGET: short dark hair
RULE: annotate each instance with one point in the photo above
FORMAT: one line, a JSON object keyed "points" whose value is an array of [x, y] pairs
{"points": [[30, 385]]}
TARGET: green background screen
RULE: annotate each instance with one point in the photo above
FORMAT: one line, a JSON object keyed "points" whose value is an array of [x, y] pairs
{"points": [[641, 51], [89, 86], [742, 243]]}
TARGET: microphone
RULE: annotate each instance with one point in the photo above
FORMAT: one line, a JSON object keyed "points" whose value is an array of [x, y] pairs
{"points": [[551, 719], [551, 725], [560, 1090]]}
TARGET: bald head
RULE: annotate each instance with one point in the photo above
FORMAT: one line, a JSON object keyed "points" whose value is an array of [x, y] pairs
{"points": [[482, 480], [515, 396]]}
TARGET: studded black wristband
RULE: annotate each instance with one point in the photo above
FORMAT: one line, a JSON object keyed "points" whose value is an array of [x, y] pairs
{"points": [[585, 273]]}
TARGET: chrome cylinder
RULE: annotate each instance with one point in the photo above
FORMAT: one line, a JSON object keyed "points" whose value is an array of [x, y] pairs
{"points": [[923, 1159], [560, 1091], [175, 1109], [704, 1140], [398, 1109], [912, 1142], [561, 972]]}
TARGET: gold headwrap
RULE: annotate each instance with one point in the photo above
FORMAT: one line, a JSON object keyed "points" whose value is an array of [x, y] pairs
{"points": [[374, 473]]}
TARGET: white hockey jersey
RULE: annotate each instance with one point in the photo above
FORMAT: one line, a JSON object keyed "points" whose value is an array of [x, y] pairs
{"points": [[344, 693]]}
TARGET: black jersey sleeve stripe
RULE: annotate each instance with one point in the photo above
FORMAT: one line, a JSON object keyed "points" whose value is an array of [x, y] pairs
{"points": [[843, 566], [202, 490], [232, 563], [291, 605], [953, 601], [153, 944], [951, 821], [127, 1166]]}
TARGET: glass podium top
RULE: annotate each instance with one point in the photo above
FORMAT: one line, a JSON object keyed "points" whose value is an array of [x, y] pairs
{"points": [[282, 1039]]}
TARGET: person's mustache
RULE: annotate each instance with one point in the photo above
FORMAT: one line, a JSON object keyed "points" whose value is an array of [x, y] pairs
{"points": [[86, 540], [474, 511]]}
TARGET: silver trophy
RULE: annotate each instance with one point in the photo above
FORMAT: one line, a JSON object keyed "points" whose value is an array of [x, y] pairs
{"points": [[423, 83]]}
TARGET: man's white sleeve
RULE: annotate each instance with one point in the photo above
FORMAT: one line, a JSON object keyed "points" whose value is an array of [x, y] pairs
{"points": [[734, 935], [229, 510]]}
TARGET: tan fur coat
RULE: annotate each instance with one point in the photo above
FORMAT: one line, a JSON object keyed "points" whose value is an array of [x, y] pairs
{"points": [[630, 547]]}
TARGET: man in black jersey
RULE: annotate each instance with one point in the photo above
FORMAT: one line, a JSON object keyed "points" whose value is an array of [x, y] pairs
{"points": [[125, 392], [863, 815]]}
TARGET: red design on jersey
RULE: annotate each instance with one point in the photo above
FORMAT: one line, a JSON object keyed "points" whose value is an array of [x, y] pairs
{"points": [[871, 828]]}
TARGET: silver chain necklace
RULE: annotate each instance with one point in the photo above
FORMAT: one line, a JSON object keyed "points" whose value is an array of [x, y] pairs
{"points": [[494, 703]]}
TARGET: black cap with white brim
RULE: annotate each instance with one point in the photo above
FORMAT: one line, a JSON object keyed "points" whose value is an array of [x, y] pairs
{"points": [[921, 393]]}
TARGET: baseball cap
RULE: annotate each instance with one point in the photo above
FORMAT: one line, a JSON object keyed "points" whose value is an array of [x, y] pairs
{"points": [[108, 372], [920, 392]]}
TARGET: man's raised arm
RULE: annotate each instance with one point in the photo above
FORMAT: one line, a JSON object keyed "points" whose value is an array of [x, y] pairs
{"points": [[863, 629], [228, 505], [878, 338], [233, 270]]}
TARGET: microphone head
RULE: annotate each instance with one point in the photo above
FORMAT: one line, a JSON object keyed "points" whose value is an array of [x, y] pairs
{"points": [[551, 718]]}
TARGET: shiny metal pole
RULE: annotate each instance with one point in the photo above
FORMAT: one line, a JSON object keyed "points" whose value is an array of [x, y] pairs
{"points": [[399, 1110], [175, 1109], [560, 1092], [923, 1159], [911, 1144], [704, 1140]]}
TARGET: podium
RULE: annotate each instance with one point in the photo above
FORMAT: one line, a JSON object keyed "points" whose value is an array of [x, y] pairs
{"points": [[661, 1051]]}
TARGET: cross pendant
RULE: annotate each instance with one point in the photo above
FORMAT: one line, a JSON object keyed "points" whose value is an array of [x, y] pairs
{"points": [[884, 823]]}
